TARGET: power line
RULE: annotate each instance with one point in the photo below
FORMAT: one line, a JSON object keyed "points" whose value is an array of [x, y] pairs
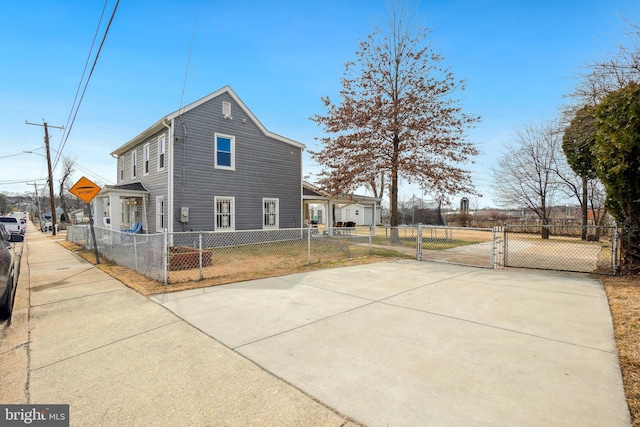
{"points": [[22, 181], [186, 72], [84, 90], [20, 154], [91, 173], [86, 65]]}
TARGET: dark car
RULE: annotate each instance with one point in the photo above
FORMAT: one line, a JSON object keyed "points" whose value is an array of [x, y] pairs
{"points": [[7, 272]]}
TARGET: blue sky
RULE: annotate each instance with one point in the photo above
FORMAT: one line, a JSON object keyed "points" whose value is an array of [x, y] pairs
{"points": [[519, 59]]}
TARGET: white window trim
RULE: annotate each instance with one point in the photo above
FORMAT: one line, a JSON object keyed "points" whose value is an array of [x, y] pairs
{"points": [[134, 163], [276, 224], [147, 160], [160, 216], [121, 168], [162, 151], [233, 151], [232, 213]]}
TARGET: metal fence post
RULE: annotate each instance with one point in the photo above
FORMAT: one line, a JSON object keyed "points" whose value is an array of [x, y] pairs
{"points": [[165, 257], [200, 253], [419, 243], [309, 244], [615, 252], [135, 252]]}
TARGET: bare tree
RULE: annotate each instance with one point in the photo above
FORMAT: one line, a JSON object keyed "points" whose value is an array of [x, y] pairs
{"points": [[377, 183], [596, 199], [608, 75], [397, 116], [526, 173], [68, 167]]}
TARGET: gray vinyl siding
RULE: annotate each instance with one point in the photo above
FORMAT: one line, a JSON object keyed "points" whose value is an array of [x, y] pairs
{"points": [[155, 181], [264, 168]]}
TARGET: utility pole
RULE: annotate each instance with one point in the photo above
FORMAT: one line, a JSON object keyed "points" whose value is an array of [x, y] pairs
{"points": [[51, 192], [39, 212]]}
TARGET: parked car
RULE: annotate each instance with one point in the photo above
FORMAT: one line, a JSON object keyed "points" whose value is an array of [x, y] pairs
{"points": [[12, 225], [7, 272], [46, 224]]}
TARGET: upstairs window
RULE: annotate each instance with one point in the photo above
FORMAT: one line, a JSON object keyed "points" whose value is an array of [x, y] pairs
{"points": [[146, 159], [225, 213], [121, 168], [224, 152], [134, 163], [161, 148]]}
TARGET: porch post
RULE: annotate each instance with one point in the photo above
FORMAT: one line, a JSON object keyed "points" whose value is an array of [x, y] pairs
{"points": [[114, 212], [145, 222]]}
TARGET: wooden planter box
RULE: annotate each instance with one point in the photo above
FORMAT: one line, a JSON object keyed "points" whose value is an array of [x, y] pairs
{"points": [[186, 258]]}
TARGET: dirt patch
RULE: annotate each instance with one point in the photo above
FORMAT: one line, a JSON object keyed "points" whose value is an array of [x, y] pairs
{"points": [[146, 286], [623, 293]]}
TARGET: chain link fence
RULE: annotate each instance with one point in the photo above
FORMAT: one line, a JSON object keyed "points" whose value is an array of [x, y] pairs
{"points": [[227, 256], [456, 245], [224, 257], [143, 253]]}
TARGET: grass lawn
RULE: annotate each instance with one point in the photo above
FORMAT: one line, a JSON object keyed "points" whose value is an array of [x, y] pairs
{"points": [[623, 293]]}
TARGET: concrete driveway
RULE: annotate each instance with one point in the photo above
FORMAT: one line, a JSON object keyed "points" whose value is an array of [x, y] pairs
{"points": [[408, 343]]}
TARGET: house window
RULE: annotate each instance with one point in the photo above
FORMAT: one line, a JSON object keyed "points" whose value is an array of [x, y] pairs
{"points": [[225, 213], [224, 152], [134, 163], [160, 213], [161, 145], [226, 109], [146, 159], [121, 168], [270, 213], [123, 213]]}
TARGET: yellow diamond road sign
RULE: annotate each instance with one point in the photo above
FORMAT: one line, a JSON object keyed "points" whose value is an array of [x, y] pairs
{"points": [[85, 189]]}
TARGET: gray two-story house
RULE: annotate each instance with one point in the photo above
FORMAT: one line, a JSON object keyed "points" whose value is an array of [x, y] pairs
{"points": [[209, 166]]}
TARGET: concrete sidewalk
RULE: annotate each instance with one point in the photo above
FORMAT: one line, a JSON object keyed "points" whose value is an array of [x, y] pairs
{"points": [[82, 338], [392, 343]]}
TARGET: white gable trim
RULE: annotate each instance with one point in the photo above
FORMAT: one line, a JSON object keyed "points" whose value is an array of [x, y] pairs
{"points": [[227, 89], [158, 126]]}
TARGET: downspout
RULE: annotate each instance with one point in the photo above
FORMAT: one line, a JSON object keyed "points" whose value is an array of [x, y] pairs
{"points": [[169, 166], [302, 207]]}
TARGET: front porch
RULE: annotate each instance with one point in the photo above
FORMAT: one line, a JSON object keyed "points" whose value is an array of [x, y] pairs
{"points": [[121, 207]]}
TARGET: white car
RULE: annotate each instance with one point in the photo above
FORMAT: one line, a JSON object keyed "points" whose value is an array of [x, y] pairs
{"points": [[47, 225], [12, 225]]}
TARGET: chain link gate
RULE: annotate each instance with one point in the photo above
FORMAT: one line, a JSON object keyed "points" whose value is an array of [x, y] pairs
{"points": [[477, 247], [521, 246], [562, 248]]}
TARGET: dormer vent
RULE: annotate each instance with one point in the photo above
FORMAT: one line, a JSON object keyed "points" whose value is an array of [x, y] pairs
{"points": [[226, 110]]}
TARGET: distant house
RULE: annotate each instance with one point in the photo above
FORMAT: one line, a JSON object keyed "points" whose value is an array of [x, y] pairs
{"points": [[209, 166], [358, 213], [329, 210]]}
